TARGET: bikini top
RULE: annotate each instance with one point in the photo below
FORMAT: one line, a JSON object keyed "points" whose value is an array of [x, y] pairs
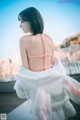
{"points": [[33, 59]]}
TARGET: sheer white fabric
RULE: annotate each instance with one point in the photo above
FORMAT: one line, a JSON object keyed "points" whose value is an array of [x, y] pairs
{"points": [[54, 86]]}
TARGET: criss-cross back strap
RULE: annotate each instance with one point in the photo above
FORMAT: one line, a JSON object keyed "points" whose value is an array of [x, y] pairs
{"points": [[44, 55]]}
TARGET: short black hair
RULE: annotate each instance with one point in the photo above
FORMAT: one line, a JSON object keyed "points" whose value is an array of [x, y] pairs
{"points": [[35, 19]]}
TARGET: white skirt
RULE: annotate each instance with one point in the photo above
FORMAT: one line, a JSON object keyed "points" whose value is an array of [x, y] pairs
{"points": [[49, 91]]}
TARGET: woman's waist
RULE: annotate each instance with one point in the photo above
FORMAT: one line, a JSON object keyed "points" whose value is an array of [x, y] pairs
{"points": [[37, 69]]}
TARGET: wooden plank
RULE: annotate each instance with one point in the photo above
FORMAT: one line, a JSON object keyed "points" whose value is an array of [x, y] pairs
{"points": [[9, 101]]}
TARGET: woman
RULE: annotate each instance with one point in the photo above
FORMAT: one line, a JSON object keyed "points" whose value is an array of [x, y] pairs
{"points": [[42, 78], [34, 45]]}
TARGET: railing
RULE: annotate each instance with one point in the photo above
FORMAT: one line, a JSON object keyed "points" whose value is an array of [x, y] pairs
{"points": [[71, 60], [72, 68]]}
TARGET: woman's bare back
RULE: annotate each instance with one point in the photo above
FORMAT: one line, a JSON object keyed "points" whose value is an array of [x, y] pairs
{"points": [[39, 52]]}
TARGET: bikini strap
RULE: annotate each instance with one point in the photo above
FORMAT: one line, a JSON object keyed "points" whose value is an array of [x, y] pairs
{"points": [[52, 46]]}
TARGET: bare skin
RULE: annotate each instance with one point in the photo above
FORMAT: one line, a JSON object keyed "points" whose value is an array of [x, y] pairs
{"points": [[36, 48]]}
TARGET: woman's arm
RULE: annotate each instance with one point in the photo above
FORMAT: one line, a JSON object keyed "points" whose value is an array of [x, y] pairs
{"points": [[53, 57], [23, 52]]}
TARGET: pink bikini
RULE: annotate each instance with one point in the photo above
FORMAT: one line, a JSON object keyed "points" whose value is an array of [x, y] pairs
{"points": [[43, 56]]}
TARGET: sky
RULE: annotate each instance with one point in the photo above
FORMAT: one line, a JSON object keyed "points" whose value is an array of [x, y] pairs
{"points": [[61, 19]]}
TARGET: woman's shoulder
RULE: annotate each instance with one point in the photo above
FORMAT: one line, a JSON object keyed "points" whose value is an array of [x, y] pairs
{"points": [[26, 39], [48, 36]]}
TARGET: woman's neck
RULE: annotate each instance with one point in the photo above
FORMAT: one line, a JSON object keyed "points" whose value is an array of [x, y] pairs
{"points": [[28, 33]]}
